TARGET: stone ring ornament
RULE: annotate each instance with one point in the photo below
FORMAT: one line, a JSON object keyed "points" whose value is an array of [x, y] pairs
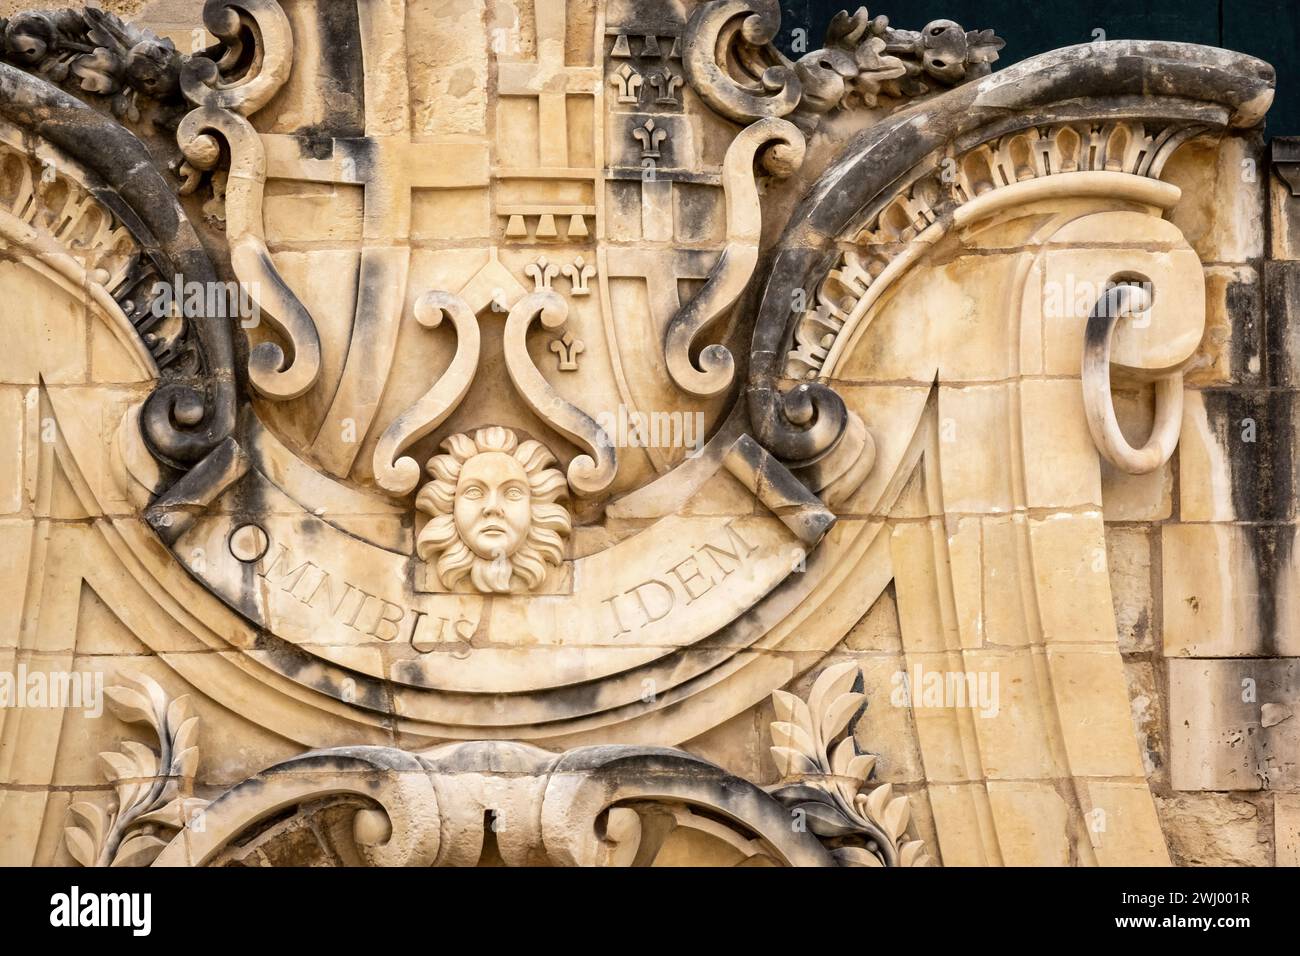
{"points": [[1119, 300]]}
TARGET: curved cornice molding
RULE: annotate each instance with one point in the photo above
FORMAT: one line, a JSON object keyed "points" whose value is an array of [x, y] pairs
{"points": [[187, 416], [1199, 88]]}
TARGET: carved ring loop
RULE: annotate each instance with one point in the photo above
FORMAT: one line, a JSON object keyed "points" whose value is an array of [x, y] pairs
{"points": [[1099, 407]]}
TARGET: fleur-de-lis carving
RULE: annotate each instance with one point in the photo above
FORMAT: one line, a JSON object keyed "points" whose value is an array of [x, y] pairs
{"points": [[667, 83], [650, 137], [579, 274], [542, 272], [628, 82], [568, 349]]}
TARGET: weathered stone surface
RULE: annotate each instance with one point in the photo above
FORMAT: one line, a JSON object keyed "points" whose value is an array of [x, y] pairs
{"points": [[599, 441], [1214, 829], [1233, 724]]}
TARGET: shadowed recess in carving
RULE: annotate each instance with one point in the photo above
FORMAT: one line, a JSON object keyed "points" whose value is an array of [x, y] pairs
{"points": [[268, 370], [399, 476], [730, 276], [256, 61], [588, 474]]}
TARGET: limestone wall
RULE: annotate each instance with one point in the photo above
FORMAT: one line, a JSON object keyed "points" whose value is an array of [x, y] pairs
{"points": [[477, 234]]}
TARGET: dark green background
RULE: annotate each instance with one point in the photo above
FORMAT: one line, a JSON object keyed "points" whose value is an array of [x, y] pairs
{"points": [[1268, 29]]}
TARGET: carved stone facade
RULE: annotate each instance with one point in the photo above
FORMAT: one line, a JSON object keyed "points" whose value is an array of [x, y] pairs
{"points": [[571, 432]]}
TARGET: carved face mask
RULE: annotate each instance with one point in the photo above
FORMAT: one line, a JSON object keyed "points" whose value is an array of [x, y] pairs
{"points": [[493, 505]]}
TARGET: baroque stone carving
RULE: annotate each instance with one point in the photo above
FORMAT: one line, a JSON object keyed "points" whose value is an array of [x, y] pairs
{"points": [[1032, 154], [594, 806], [493, 514], [618, 373], [154, 789], [865, 828], [863, 59], [97, 53], [1123, 300]]}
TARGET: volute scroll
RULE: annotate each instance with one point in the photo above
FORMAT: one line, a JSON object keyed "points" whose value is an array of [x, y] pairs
{"points": [[1119, 301]]}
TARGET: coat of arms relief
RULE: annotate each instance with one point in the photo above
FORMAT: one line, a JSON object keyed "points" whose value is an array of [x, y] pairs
{"points": [[581, 373]]}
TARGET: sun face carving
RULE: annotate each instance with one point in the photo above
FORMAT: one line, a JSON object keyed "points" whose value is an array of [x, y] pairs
{"points": [[494, 517]]}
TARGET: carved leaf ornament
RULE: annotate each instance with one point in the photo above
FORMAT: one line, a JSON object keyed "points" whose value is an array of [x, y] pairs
{"points": [[153, 787], [869, 826]]}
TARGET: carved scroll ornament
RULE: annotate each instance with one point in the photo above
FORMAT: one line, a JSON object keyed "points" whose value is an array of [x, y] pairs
{"points": [[400, 475], [731, 275], [732, 62], [590, 473], [1122, 300], [592, 806], [115, 68]]}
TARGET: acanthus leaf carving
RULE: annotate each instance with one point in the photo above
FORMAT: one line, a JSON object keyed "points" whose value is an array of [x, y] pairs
{"points": [[733, 65], [97, 53]]}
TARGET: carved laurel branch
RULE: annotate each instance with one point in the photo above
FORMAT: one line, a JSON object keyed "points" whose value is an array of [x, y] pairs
{"points": [[864, 826], [153, 788], [592, 806], [732, 64]]}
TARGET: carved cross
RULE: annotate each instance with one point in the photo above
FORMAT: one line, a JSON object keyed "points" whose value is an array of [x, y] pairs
{"points": [[388, 165], [551, 81]]}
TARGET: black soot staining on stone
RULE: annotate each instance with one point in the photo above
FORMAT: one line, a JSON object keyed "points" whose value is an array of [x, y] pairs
{"points": [[1263, 486], [1281, 306], [294, 662], [1242, 303], [340, 44]]}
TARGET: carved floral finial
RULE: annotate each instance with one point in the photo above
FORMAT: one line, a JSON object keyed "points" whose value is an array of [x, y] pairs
{"points": [[864, 826], [99, 52], [494, 516], [896, 64], [864, 59]]}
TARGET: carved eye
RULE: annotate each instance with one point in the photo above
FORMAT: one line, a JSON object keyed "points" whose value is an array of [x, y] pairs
{"points": [[515, 494], [473, 493]]}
